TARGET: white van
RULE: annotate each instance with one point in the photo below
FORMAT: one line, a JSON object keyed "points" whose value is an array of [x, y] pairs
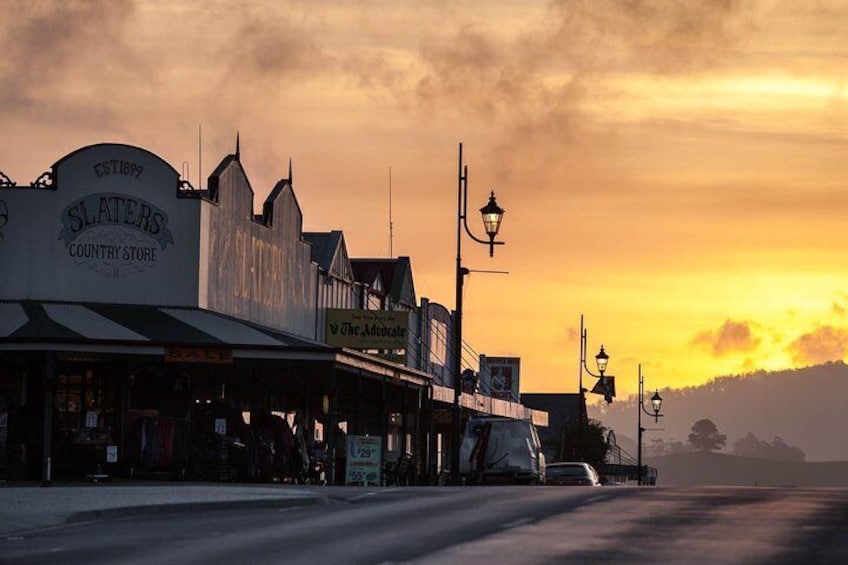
{"points": [[501, 450]]}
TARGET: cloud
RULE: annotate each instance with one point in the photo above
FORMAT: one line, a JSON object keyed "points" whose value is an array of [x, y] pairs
{"points": [[544, 91], [474, 70], [660, 36], [566, 339], [42, 44], [731, 337], [276, 48], [825, 343]]}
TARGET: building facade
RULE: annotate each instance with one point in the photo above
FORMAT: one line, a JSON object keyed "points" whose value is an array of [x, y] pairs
{"points": [[149, 328]]}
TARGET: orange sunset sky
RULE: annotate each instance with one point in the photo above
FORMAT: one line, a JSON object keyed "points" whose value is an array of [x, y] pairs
{"points": [[674, 170]]}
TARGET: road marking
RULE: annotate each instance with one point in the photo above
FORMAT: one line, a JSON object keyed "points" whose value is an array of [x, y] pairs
{"points": [[15, 538], [516, 523], [372, 493], [361, 496]]}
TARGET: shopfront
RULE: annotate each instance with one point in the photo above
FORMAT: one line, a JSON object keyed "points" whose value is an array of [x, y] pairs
{"points": [[149, 329]]}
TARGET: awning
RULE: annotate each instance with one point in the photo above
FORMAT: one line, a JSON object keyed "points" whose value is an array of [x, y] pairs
{"points": [[488, 405], [31, 321], [29, 325]]}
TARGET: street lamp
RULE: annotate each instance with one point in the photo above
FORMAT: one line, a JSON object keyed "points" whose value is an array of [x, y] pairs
{"points": [[656, 405], [492, 218], [605, 384], [602, 360]]}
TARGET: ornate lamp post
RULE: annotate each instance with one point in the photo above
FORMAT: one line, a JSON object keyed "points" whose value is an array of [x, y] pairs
{"points": [[492, 218], [602, 360], [656, 405]]}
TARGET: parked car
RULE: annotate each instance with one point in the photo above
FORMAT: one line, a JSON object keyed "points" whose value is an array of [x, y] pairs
{"points": [[572, 473]]}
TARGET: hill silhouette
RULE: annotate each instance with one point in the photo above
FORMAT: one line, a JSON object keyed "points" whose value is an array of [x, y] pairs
{"points": [[805, 407]]}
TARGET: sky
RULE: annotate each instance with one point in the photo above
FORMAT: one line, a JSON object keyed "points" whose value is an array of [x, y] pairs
{"points": [[673, 171]]}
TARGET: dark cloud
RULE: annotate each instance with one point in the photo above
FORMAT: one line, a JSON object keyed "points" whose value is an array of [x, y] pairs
{"points": [[535, 86], [473, 70], [665, 36], [577, 38], [275, 48], [731, 337], [567, 339], [373, 71], [44, 43], [826, 343]]}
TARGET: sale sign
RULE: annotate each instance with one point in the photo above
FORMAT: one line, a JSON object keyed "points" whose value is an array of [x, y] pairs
{"points": [[364, 460]]}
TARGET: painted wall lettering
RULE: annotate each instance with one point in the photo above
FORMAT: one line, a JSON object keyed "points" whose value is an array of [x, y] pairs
{"points": [[96, 210], [118, 167], [115, 234], [259, 270]]}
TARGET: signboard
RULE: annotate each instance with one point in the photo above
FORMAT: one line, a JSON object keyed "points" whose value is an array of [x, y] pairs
{"points": [[367, 329], [605, 387], [109, 227], [221, 426], [114, 234], [111, 454], [500, 377], [198, 355], [364, 460]]}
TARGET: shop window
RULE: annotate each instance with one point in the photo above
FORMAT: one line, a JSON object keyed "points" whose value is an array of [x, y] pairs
{"points": [[84, 407], [83, 417]]}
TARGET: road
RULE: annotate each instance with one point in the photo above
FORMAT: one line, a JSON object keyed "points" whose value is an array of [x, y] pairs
{"points": [[433, 525]]}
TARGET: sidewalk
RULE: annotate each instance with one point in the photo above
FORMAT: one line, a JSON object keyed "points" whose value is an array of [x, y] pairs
{"points": [[25, 508]]}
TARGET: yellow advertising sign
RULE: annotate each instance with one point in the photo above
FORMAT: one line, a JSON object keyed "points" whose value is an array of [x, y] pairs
{"points": [[367, 329]]}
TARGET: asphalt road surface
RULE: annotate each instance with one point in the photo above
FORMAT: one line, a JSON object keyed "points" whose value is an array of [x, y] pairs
{"points": [[471, 525]]}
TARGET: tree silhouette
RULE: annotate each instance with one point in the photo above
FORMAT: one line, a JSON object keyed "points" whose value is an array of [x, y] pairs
{"points": [[588, 444], [659, 447], [705, 437], [748, 446], [778, 450]]}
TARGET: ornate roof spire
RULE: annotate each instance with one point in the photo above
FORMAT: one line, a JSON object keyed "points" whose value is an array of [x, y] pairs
{"points": [[238, 148], [291, 181]]}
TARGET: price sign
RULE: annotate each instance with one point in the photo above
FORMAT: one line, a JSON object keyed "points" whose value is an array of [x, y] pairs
{"points": [[364, 460]]}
